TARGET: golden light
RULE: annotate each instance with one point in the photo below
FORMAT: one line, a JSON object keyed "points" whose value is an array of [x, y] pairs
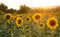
{"points": [[31, 3]]}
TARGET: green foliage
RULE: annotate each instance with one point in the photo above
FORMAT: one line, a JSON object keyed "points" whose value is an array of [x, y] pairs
{"points": [[10, 10]]}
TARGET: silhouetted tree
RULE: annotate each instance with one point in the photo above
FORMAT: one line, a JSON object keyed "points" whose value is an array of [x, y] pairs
{"points": [[3, 7], [24, 9], [10, 10]]}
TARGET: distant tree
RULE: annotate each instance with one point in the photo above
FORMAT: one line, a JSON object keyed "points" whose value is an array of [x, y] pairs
{"points": [[3, 7], [10, 10], [24, 9], [58, 9]]}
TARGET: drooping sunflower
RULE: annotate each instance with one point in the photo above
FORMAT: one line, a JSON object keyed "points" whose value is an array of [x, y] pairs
{"points": [[8, 16], [19, 21], [36, 17], [41, 25], [52, 23]]}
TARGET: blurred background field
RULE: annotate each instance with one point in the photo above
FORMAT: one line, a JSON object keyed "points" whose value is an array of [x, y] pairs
{"points": [[29, 27]]}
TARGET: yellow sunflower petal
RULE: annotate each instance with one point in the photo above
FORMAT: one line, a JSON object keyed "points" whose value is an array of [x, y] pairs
{"points": [[41, 25], [52, 23], [28, 19], [19, 21], [8, 16], [36, 17]]}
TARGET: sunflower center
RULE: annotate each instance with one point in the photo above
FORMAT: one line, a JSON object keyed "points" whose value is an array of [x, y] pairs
{"points": [[41, 25], [37, 17], [8, 17], [19, 21], [52, 22], [27, 19]]}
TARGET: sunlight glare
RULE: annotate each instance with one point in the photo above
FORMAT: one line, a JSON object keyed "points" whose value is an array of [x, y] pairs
{"points": [[31, 3]]}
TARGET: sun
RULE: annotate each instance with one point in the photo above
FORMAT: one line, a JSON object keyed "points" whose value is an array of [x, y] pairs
{"points": [[41, 3]]}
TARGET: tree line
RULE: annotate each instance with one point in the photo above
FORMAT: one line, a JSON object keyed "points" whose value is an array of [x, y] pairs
{"points": [[23, 9]]}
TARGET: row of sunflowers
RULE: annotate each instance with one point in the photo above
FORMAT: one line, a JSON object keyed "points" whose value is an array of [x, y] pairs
{"points": [[52, 22]]}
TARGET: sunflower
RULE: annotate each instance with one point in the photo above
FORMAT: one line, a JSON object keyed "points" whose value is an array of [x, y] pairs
{"points": [[8, 16], [14, 16], [52, 23], [29, 15], [19, 15], [28, 19], [36, 17], [19, 21], [41, 25]]}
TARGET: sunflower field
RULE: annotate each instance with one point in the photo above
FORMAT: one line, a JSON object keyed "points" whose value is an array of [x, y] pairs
{"points": [[34, 24]]}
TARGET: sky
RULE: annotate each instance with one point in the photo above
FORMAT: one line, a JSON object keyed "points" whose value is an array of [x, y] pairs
{"points": [[15, 4]]}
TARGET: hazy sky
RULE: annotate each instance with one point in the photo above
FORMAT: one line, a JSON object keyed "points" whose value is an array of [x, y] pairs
{"points": [[31, 3]]}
